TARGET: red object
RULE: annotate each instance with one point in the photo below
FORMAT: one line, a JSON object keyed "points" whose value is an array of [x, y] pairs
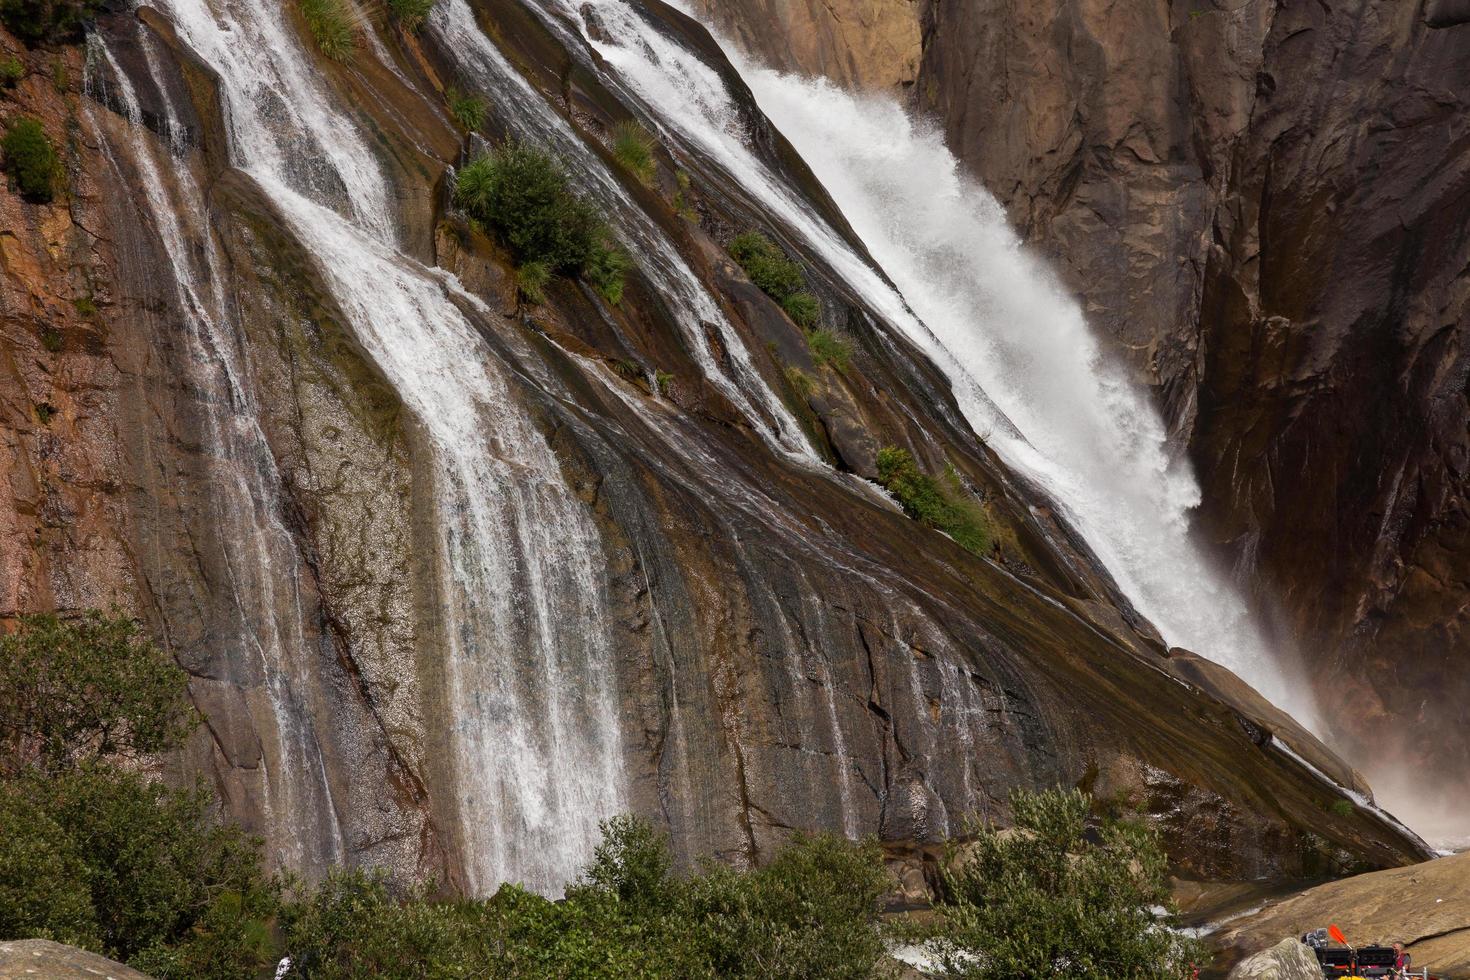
{"points": [[1336, 934]]}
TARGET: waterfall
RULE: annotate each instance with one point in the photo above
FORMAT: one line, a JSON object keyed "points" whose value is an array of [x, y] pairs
{"points": [[1023, 364], [536, 738], [263, 568]]}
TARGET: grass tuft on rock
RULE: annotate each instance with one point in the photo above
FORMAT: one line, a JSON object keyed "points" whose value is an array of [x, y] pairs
{"points": [[632, 147], [521, 195], [333, 27], [30, 159], [412, 14], [467, 108], [943, 505]]}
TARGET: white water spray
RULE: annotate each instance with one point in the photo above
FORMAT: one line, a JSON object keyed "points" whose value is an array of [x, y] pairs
{"points": [[535, 735], [1023, 365]]}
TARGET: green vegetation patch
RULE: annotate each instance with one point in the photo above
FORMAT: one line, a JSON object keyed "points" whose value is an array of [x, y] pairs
{"points": [[36, 21], [767, 265], [632, 147], [412, 14], [522, 196], [828, 348], [1056, 896], [467, 108], [12, 70], [333, 27], [944, 505], [30, 159]]}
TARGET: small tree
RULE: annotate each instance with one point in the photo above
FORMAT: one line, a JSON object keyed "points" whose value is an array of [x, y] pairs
{"points": [[1051, 899], [46, 20], [74, 691]]}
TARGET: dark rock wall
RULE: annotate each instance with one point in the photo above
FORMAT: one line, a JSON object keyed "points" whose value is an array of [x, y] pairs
{"points": [[791, 652], [1263, 203]]}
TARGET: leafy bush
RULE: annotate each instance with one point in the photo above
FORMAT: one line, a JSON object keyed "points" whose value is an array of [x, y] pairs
{"points": [[1053, 898], [30, 159], [632, 146], [79, 691], [12, 70], [767, 265], [333, 26], [467, 108], [411, 14], [43, 880], [803, 309], [828, 348], [34, 21], [522, 196], [944, 507]]}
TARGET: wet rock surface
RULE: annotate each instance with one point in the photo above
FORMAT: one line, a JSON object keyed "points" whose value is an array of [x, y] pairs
{"points": [[1264, 205], [790, 652], [1287, 960]]}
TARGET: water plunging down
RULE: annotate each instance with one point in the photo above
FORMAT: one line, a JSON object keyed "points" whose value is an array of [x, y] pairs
{"points": [[1022, 362], [537, 752]]}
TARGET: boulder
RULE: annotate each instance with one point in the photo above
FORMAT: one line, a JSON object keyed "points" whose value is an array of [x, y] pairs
{"points": [[28, 959], [1287, 960]]}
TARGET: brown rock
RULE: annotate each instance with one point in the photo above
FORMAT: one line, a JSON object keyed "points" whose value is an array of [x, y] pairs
{"points": [[1425, 906], [34, 959]]}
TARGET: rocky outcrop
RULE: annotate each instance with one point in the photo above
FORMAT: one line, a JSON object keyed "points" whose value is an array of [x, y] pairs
{"points": [[1289, 959], [1263, 204], [864, 43], [27, 959], [1426, 907]]}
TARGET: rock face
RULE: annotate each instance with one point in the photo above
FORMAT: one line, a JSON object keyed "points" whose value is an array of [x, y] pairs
{"points": [[1426, 907], [1264, 204], [28, 959], [221, 440], [1289, 959]]}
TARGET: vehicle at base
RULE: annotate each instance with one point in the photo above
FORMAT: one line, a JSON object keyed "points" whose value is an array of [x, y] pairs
{"points": [[1347, 962]]}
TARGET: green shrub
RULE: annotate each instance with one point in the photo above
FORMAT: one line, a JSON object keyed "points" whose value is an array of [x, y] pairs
{"points": [[73, 692], [30, 159], [800, 383], [85, 306], [333, 26], [52, 340], [34, 21], [632, 146], [767, 265], [683, 194], [803, 309], [411, 14], [156, 863], [1053, 898], [829, 348], [531, 281], [663, 382], [43, 880], [467, 108], [12, 70], [946, 507], [521, 195]]}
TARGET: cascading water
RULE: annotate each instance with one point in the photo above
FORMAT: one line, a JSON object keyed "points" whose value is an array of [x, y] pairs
{"points": [[536, 738], [689, 301], [263, 566], [1023, 365]]}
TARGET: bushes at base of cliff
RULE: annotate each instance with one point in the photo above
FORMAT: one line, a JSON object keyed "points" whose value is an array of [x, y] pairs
{"points": [[1059, 896], [941, 505], [522, 196], [813, 912], [30, 159]]}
